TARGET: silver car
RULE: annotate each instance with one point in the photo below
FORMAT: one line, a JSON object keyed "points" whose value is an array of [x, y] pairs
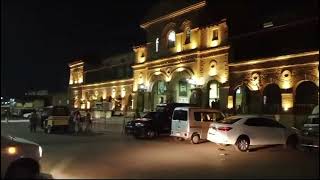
{"points": [[19, 158]]}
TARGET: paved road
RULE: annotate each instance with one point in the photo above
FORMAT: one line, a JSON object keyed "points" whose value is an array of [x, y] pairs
{"points": [[112, 155]]}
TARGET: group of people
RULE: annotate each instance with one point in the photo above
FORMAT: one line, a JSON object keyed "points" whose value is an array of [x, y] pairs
{"points": [[77, 123], [81, 124]]}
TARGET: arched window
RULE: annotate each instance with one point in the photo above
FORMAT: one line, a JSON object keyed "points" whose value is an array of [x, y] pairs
{"points": [[171, 39], [157, 45], [188, 35]]}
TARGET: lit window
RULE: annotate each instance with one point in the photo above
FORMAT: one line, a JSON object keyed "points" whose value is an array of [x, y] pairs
{"points": [[215, 35], [157, 45], [188, 34], [171, 39]]}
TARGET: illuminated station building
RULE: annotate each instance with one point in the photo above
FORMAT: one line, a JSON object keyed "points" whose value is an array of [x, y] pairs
{"points": [[191, 56]]}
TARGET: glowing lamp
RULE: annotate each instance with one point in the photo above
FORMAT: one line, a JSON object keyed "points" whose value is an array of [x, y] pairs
{"points": [[214, 43], [230, 102], [287, 101], [180, 69]]}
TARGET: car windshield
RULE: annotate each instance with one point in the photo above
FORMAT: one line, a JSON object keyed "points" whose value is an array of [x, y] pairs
{"points": [[229, 120]]}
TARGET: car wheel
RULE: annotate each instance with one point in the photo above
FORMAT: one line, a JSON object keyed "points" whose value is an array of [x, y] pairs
{"points": [[195, 139], [24, 171], [151, 134], [292, 142], [242, 144]]}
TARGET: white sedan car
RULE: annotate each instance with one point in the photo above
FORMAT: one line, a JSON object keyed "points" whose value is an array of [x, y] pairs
{"points": [[246, 130], [19, 158]]}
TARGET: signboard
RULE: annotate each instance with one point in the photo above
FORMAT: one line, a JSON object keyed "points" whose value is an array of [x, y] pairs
{"points": [[161, 87], [183, 91]]}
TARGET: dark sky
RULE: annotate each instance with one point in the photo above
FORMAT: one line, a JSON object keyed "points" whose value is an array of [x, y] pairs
{"points": [[39, 38]]}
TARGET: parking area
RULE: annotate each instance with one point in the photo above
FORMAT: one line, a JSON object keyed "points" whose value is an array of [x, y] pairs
{"points": [[110, 154]]}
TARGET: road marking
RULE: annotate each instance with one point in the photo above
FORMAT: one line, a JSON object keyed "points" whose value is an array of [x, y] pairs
{"points": [[15, 121]]}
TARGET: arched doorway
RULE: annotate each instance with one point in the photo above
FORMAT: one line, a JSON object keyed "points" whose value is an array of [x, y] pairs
{"points": [[241, 99], [196, 96], [272, 99], [214, 94], [306, 97]]}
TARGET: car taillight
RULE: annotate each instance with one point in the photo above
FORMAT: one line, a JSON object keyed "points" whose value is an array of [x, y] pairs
{"points": [[224, 128]]}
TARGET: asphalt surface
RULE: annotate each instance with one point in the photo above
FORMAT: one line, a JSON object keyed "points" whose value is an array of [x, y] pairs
{"points": [[113, 155]]}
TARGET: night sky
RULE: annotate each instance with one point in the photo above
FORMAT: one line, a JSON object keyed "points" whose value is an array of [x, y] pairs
{"points": [[39, 38]]}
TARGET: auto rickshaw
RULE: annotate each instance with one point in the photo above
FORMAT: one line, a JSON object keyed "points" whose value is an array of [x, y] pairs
{"points": [[59, 118]]}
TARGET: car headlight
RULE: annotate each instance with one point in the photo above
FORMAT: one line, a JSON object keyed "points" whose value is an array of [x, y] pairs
{"points": [[40, 151], [12, 150]]}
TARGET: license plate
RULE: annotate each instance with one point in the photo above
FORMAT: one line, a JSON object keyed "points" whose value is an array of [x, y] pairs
{"points": [[178, 134]]}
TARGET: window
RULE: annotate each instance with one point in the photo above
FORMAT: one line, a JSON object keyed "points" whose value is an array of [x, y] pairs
{"points": [[261, 122], [188, 35], [253, 122], [180, 115], [157, 45], [171, 39], [273, 123], [215, 35], [207, 116]]}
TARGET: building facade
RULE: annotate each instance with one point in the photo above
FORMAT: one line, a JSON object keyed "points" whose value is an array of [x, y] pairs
{"points": [[189, 60], [110, 81]]}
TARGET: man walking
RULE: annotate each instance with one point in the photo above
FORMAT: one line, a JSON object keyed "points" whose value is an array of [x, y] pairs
{"points": [[33, 121]]}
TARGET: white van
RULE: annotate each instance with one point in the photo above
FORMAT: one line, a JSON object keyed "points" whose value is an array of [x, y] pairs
{"points": [[192, 123]]}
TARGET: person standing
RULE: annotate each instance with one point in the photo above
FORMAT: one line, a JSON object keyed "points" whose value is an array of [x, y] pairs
{"points": [[33, 121], [7, 115], [88, 122], [76, 120]]}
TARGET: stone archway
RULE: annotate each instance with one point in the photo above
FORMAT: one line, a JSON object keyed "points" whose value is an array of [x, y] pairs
{"points": [[306, 97], [241, 99], [271, 99]]}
